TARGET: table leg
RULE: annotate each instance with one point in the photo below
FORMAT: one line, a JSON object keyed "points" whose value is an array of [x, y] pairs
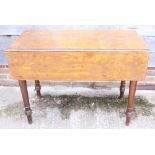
{"points": [[122, 89], [131, 98], [24, 92], [38, 88]]}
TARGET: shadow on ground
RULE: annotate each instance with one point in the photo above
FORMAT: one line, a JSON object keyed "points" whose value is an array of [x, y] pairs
{"points": [[67, 104]]}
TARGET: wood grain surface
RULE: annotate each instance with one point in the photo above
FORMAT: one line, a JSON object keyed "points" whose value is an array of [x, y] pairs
{"points": [[85, 66], [59, 40], [90, 55]]}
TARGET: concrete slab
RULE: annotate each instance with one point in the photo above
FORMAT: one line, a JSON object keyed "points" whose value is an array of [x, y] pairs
{"points": [[86, 108]]}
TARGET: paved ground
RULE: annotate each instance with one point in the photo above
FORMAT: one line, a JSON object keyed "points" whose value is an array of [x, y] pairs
{"points": [[86, 108]]}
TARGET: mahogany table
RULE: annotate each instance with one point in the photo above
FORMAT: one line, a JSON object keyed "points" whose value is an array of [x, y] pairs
{"points": [[87, 55]]}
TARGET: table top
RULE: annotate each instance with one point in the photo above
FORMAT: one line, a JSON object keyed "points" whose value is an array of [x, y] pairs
{"points": [[78, 40]]}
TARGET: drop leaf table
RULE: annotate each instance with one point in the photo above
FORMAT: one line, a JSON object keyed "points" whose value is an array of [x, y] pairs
{"points": [[78, 55]]}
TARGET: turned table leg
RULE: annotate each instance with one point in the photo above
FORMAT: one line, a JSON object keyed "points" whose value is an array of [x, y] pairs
{"points": [[24, 92], [131, 98], [38, 88], [122, 89]]}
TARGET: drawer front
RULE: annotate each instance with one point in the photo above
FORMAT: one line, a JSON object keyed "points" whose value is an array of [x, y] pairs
{"points": [[85, 66]]}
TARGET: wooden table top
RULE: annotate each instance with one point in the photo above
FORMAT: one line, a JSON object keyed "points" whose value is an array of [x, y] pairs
{"points": [[78, 55], [76, 40]]}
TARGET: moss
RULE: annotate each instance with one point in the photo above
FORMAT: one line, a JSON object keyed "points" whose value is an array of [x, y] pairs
{"points": [[66, 104], [15, 110], [106, 103]]}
